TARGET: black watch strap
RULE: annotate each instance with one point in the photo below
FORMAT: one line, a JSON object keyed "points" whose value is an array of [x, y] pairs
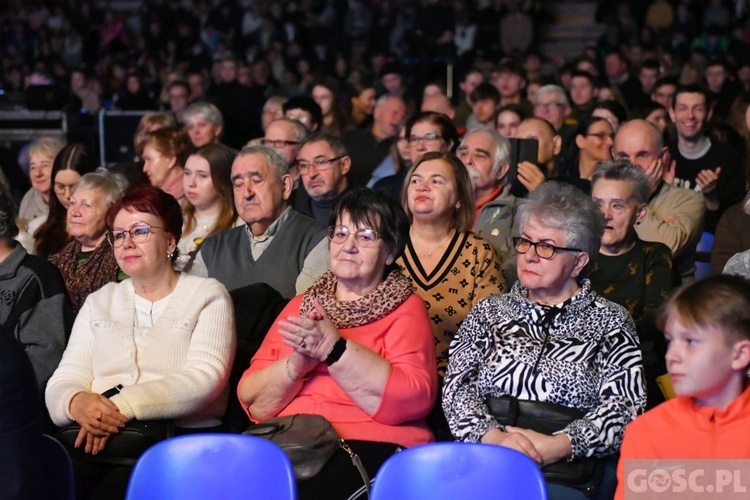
{"points": [[336, 352], [111, 392]]}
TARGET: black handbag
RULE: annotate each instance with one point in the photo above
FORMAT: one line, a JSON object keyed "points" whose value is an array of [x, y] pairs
{"points": [[308, 440], [125, 447], [548, 418]]}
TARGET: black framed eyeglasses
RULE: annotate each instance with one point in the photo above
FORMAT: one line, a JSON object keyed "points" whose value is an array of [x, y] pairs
{"points": [[543, 250], [138, 234], [320, 164]]}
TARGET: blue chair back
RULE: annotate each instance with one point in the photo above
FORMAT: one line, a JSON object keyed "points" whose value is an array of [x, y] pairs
{"points": [[703, 256], [207, 466], [447, 471]]}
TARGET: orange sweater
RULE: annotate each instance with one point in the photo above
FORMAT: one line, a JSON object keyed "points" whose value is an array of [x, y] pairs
{"points": [[678, 429]]}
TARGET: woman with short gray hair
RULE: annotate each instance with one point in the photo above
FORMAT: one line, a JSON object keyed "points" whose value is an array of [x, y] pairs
{"points": [[204, 123], [87, 262], [631, 272], [552, 348]]}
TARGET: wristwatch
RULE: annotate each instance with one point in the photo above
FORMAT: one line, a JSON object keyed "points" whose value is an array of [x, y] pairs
{"points": [[336, 351], [111, 392]]}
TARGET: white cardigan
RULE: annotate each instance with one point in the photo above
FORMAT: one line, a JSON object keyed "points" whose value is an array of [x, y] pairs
{"points": [[179, 369]]}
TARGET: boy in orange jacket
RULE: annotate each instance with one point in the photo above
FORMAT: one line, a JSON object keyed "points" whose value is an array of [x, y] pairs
{"points": [[707, 327]]}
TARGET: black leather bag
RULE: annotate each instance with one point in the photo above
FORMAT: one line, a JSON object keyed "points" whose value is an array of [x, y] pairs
{"points": [[125, 447], [548, 418], [308, 440]]}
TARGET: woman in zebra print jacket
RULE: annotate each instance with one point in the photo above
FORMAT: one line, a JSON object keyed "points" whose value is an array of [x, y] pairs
{"points": [[551, 339]]}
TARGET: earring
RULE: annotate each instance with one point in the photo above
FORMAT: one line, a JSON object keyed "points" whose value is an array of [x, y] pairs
{"points": [[170, 255]]}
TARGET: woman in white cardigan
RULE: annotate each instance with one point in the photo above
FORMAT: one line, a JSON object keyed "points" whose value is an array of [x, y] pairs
{"points": [[157, 346]]}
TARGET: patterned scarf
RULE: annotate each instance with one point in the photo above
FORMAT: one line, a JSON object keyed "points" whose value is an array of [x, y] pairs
{"points": [[89, 276], [379, 303]]}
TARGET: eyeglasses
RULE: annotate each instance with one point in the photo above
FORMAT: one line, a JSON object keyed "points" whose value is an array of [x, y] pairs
{"points": [[320, 164], [542, 249], [278, 143], [424, 138], [365, 238], [601, 135], [138, 234]]}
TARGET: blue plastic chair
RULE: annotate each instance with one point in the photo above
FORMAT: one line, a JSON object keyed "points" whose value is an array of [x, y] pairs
{"points": [[447, 471], [207, 466], [703, 256]]}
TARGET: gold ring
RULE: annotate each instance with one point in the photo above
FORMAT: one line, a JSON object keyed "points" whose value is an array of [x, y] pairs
{"points": [[99, 418]]}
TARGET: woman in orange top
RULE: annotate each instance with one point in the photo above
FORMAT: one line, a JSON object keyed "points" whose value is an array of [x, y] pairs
{"points": [[356, 348]]}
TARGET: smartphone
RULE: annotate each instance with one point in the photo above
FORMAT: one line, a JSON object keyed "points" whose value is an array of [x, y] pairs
{"points": [[521, 150]]}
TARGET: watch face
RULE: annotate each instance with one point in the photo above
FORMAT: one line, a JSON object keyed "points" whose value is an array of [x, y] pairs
{"points": [[336, 352]]}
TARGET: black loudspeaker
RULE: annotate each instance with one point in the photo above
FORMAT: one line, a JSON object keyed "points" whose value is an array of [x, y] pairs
{"points": [[117, 134]]}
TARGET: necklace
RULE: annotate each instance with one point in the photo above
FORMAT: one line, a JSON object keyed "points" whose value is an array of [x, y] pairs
{"points": [[429, 254]]}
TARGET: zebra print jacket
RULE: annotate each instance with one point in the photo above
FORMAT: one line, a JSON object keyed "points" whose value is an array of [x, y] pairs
{"points": [[582, 353]]}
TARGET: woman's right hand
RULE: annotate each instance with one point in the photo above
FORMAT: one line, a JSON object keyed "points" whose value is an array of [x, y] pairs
{"points": [[96, 414], [516, 441]]}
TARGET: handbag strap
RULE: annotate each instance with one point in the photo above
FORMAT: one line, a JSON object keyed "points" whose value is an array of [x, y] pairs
{"points": [[357, 462]]}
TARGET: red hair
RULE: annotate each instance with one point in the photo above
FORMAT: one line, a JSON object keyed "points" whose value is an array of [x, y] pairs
{"points": [[151, 200]]}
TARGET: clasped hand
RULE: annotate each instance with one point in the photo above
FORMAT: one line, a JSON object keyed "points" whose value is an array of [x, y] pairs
{"points": [[311, 337], [541, 448], [98, 417]]}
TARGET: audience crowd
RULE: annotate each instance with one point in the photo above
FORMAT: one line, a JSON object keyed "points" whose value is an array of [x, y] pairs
{"points": [[455, 232]]}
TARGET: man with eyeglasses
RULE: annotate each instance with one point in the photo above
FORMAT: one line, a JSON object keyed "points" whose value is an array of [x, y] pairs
{"points": [[675, 215], [369, 147], [276, 245], [286, 136], [322, 164], [551, 104]]}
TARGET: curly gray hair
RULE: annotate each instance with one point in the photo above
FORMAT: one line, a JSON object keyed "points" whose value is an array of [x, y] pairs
{"points": [[561, 206]]}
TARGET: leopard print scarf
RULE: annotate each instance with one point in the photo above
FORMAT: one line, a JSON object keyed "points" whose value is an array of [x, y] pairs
{"points": [[379, 303]]}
